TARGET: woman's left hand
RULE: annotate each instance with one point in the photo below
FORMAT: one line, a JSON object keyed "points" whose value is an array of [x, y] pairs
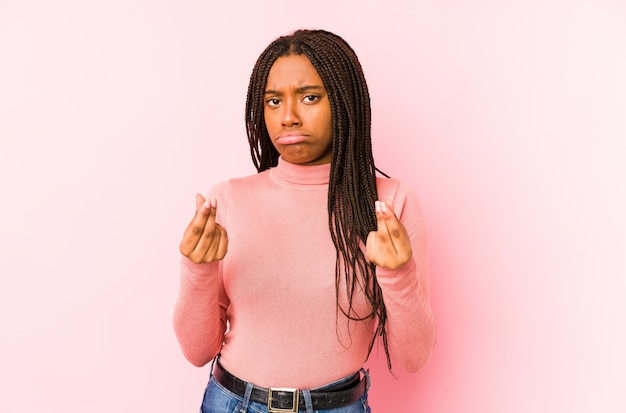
{"points": [[389, 246]]}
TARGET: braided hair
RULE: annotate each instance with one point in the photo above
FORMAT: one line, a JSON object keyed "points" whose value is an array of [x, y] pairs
{"points": [[352, 183]]}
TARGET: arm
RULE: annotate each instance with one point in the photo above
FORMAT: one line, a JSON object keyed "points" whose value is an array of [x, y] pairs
{"points": [[199, 316], [398, 249]]}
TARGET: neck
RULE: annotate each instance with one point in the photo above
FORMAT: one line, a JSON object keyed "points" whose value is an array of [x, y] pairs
{"points": [[301, 174]]}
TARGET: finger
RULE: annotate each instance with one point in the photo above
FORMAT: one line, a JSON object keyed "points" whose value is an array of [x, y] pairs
{"points": [[223, 245], [199, 201], [394, 227], [210, 234], [382, 235], [194, 230], [218, 247], [397, 233], [370, 248]]}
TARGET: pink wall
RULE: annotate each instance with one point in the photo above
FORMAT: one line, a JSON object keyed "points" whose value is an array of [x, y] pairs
{"points": [[507, 120]]}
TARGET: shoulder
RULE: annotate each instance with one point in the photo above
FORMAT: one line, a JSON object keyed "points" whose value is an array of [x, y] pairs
{"points": [[405, 201], [236, 191], [240, 188], [251, 179], [392, 188], [226, 186]]}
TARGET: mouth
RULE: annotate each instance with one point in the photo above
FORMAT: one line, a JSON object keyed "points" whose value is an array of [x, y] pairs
{"points": [[291, 138]]}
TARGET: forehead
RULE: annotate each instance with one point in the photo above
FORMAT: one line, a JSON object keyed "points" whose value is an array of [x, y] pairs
{"points": [[292, 71]]}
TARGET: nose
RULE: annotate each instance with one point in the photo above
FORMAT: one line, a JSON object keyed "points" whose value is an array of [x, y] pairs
{"points": [[290, 116]]}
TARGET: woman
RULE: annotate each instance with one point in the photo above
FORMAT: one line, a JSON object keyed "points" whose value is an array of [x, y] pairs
{"points": [[289, 275]]}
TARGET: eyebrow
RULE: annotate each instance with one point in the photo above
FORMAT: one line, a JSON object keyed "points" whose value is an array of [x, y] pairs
{"points": [[299, 90]]}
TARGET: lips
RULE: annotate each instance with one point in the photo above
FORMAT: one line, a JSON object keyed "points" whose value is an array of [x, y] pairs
{"points": [[290, 138]]}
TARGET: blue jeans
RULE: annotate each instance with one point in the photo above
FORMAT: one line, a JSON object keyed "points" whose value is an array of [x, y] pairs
{"points": [[219, 400]]}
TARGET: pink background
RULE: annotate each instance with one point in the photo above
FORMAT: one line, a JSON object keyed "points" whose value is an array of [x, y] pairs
{"points": [[507, 118]]}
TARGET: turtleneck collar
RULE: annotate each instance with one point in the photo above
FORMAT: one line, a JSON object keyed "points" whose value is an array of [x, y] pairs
{"points": [[295, 174]]}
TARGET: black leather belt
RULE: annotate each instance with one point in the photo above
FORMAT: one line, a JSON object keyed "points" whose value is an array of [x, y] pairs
{"points": [[291, 400]]}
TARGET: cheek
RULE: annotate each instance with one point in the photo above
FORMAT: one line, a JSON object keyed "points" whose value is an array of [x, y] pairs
{"points": [[269, 123], [329, 122]]}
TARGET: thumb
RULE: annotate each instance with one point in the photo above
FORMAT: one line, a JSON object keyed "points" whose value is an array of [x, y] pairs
{"points": [[199, 202]]}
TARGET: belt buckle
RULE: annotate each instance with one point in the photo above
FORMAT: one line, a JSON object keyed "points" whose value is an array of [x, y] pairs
{"points": [[295, 400]]}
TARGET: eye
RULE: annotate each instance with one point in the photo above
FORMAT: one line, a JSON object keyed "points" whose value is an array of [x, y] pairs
{"points": [[310, 99], [272, 102]]}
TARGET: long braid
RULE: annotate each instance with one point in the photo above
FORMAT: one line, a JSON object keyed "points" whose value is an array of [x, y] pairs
{"points": [[352, 182]]}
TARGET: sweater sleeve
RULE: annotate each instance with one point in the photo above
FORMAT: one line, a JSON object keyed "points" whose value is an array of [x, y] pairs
{"points": [[411, 327], [200, 312], [199, 316]]}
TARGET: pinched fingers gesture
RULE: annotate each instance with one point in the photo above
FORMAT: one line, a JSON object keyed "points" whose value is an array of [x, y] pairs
{"points": [[204, 239], [390, 245]]}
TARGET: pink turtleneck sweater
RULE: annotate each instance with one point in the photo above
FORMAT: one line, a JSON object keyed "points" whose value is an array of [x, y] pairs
{"points": [[269, 306]]}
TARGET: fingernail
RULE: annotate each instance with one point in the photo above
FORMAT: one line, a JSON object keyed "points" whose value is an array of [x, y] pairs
{"points": [[384, 207], [377, 205], [213, 202], [207, 204]]}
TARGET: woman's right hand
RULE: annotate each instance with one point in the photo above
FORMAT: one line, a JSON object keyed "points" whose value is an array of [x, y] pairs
{"points": [[204, 239]]}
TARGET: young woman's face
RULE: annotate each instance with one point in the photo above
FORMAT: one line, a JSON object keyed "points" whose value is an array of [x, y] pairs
{"points": [[297, 112]]}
